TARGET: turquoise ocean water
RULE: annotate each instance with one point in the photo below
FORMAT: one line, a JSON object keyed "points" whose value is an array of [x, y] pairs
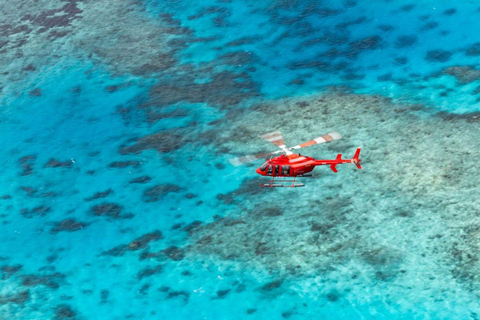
{"points": [[118, 119]]}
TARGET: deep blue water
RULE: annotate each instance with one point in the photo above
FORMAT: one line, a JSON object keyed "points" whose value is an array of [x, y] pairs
{"points": [[118, 120]]}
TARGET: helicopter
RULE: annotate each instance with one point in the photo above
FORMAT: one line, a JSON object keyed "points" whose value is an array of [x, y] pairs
{"points": [[290, 165]]}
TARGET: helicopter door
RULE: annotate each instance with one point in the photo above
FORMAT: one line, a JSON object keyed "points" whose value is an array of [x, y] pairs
{"points": [[269, 169], [286, 170], [277, 170]]}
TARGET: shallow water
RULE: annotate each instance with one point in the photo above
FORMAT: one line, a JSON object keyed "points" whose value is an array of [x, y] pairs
{"points": [[118, 120]]}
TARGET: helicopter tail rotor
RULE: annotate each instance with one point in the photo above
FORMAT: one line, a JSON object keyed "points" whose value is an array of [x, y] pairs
{"points": [[356, 159]]}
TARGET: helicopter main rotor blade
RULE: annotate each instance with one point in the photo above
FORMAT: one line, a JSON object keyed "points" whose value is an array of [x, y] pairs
{"points": [[274, 137], [325, 138], [249, 158]]}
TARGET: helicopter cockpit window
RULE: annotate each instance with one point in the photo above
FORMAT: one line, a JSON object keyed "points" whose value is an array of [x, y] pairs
{"points": [[264, 166]]}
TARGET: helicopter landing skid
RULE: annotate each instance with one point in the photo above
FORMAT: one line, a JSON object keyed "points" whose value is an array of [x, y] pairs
{"points": [[273, 183]]}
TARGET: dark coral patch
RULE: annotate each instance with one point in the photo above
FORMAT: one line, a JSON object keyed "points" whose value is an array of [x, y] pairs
{"points": [[142, 180], [53, 163], [64, 312], [40, 211], [52, 280], [450, 12], [174, 253], [55, 18], [237, 58], [464, 74], [242, 41], [30, 67], [407, 7], [405, 41], [107, 209], [17, 298], [192, 226], [35, 92], [99, 195], [368, 43], [469, 117], [272, 212], [346, 24], [158, 192], [296, 82], [27, 164], [401, 60], [333, 296], [148, 272], [178, 294], [385, 77], [209, 10], [137, 244], [10, 270], [164, 141], [104, 296], [429, 26], [272, 285], [385, 27], [474, 50], [124, 164], [438, 56], [153, 116], [69, 225], [224, 89], [222, 293]]}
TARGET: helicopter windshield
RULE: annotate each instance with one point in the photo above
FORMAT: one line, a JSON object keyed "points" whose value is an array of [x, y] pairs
{"points": [[264, 166]]}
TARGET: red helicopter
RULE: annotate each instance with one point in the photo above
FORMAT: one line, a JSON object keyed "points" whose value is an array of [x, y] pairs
{"points": [[291, 165]]}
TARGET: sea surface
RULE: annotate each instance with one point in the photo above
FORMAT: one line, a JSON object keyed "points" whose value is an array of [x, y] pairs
{"points": [[118, 120]]}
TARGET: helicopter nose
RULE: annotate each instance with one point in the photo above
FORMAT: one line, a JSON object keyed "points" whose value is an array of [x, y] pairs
{"points": [[258, 171]]}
